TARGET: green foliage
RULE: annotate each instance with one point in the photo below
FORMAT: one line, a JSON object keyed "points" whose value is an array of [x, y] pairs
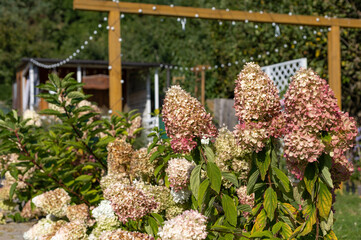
{"points": [[70, 153]]}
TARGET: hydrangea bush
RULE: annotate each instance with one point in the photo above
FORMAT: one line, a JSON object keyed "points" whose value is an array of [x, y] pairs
{"points": [[200, 183]]}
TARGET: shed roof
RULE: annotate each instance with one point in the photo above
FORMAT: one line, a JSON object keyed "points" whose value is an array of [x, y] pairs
{"points": [[88, 63]]}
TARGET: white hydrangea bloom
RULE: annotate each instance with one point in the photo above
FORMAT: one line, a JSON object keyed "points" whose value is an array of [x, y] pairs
{"points": [[190, 225], [43, 227], [181, 196], [105, 218], [104, 211]]}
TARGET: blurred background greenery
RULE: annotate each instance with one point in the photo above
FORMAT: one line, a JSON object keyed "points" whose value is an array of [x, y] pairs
{"points": [[52, 29]]}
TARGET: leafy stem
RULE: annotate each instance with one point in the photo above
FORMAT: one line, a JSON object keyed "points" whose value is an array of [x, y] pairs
{"points": [[33, 160]]}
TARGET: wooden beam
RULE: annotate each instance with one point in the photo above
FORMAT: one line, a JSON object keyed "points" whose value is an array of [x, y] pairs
{"points": [[334, 62], [218, 14], [115, 73], [19, 93]]}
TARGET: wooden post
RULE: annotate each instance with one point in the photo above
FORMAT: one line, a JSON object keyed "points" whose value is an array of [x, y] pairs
{"points": [[19, 94], [334, 62], [115, 71], [203, 87]]}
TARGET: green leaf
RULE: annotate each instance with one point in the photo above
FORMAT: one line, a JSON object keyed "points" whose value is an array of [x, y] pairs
{"points": [[263, 160], [331, 236], [215, 176], [252, 181], [4, 124], [256, 208], [290, 210], [202, 193], [76, 95], [244, 208], [153, 224], [12, 190], [209, 153], [154, 156], [231, 177], [277, 227], [283, 178], [158, 217], [195, 180], [260, 221], [50, 112], [310, 177], [286, 231], [103, 142], [324, 201], [260, 234], [310, 215], [270, 202], [84, 178], [230, 209], [326, 176]]}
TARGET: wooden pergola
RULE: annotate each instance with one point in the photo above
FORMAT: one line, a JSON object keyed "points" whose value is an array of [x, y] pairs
{"points": [[114, 9]]}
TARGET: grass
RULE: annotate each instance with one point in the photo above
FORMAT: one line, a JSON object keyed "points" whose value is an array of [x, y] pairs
{"points": [[348, 217]]}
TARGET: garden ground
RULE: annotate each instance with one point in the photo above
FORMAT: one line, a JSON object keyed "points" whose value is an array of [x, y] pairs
{"points": [[348, 217]]}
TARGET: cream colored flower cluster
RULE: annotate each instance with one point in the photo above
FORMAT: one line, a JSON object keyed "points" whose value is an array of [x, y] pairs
{"points": [[140, 166], [34, 118], [230, 156], [256, 96], [75, 230], [136, 123], [128, 202], [28, 212], [120, 234], [179, 172], [161, 195], [124, 160], [190, 225], [119, 156], [78, 213], [53, 202], [258, 109], [185, 120], [244, 198], [110, 179], [24, 173], [44, 229]]}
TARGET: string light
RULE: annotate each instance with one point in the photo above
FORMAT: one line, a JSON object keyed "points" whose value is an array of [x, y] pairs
{"points": [[62, 62], [75, 53]]}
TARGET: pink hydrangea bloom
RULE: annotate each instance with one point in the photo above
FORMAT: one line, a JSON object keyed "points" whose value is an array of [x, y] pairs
{"points": [[185, 119], [179, 172], [310, 102], [316, 125], [190, 225], [128, 202], [300, 148]]}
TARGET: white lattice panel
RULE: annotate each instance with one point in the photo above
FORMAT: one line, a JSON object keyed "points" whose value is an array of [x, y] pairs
{"points": [[281, 73]]}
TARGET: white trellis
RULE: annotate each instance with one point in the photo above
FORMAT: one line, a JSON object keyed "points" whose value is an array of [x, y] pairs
{"points": [[281, 73]]}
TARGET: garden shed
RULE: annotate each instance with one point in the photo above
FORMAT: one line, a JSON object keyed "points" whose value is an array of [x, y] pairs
{"points": [[136, 83]]}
